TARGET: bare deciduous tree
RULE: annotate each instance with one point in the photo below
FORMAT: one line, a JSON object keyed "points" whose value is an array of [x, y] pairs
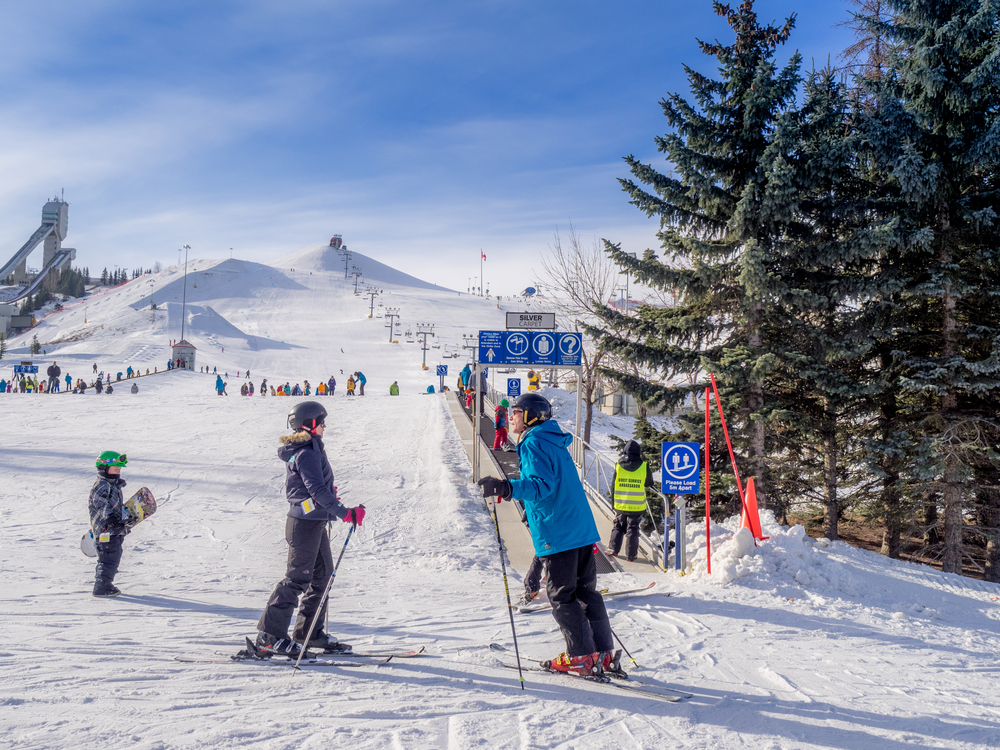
{"points": [[580, 278]]}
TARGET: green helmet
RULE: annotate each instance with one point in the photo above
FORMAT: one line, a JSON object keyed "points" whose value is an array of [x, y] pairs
{"points": [[504, 403], [111, 458]]}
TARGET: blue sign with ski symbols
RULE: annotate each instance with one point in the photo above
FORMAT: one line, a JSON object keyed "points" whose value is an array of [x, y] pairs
{"points": [[513, 387], [442, 370], [680, 468], [517, 347], [25, 369], [541, 348]]}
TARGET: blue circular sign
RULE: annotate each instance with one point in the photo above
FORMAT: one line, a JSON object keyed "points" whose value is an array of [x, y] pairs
{"points": [[517, 344]]}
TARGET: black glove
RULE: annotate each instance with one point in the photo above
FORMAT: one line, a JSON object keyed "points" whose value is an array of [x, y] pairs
{"points": [[499, 487]]}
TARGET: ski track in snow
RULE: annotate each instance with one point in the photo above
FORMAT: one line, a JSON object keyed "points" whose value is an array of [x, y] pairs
{"points": [[791, 644]]}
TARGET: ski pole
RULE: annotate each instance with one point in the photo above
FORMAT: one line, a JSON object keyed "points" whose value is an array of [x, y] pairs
{"points": [[506, 588], [623, 648], [326, 594]]}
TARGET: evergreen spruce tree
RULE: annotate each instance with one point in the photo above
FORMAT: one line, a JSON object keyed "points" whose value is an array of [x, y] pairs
{"points": [[36, 347], [933, 141], [717, 236]]}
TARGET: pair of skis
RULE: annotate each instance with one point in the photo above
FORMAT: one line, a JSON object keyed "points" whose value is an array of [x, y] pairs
{"points": [[373, 656], [656, 692]]}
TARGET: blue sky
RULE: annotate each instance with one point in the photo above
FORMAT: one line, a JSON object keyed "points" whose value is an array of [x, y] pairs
{"points": [[422, 132]]}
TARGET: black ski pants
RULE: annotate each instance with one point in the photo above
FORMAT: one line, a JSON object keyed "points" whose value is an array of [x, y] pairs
{"points": [[626, 524], [310, 563], [109, 555], [533, 579], [577, 605]]}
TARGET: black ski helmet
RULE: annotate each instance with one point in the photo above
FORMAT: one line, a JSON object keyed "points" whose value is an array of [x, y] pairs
{"points": [[307, 416], [536, 408]]}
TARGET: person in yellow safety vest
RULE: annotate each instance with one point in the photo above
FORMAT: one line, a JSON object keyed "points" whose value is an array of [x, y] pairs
{"points": [[632, 477], [534, 380]]}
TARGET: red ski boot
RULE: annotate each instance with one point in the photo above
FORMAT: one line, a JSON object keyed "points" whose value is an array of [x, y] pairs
{"points": [[587, 665]]}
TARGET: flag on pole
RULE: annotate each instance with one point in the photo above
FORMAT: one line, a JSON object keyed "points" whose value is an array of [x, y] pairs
{"points": [[482, 254]]}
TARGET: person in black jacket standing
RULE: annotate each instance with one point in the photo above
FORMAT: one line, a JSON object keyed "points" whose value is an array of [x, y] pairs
{"points": [[632, 477], [313, 502], [53, 372]]}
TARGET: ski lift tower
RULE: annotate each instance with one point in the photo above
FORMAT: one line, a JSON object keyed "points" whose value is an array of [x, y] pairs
{"points": [[425, 330], [391, 313]]}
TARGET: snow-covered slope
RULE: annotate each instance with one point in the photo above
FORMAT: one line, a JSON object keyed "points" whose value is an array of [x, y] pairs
{"points": [[325, 258], [791, 644]]}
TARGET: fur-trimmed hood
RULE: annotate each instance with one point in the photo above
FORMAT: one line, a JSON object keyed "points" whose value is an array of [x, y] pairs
{"points": [[296, 438]]}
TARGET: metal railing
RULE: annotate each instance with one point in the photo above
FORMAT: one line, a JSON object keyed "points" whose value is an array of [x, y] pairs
{"points": [[597, 473]]}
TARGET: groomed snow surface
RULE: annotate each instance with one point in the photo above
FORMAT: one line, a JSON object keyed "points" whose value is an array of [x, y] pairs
{"points": [[790, 644]]}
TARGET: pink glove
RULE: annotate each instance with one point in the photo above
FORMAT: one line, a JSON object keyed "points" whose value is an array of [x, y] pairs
{"points": [[355, 515]]}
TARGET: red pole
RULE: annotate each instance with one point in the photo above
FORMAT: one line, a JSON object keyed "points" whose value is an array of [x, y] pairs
{"points": [[708, 516], [732, 456]]}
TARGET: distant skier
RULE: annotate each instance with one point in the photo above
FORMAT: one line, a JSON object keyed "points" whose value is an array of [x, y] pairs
{"points": [[500, 425], [350, 385], [135, 388], [394, 388], [313, 504], [244, 391], [219, 385], [53, 372], [99, 386], [331, 385], [465, 375], [250, 388], [263, 387], [107, 520], [296, 390], [360, 377]]}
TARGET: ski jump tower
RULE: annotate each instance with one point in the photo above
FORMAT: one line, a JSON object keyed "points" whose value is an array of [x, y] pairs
{"points": [[55, 222]]}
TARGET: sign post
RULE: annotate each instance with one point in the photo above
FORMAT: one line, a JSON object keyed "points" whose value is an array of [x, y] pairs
{"points": [[442, 370], [680, 475]]}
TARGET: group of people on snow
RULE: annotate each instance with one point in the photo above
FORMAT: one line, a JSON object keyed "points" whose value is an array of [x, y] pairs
{"points": [[558, 516], [53, 382]]}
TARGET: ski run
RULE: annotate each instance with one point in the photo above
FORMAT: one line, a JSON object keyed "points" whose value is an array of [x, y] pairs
{"points": [[792, 644]]}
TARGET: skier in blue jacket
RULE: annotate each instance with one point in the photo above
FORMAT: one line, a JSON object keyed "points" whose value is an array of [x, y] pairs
{"points": [[313, 502], [563, 533]]}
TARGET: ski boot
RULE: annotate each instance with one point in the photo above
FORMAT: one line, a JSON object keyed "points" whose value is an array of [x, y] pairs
{"points": [[328, 644], [587, 665], [611, 663], [267, 646]]}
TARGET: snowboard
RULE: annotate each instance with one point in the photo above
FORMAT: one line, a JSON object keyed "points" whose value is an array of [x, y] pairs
{"points": [[137, 508]]}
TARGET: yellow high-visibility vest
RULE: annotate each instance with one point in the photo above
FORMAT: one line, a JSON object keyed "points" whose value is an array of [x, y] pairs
{"points": [[630, 489]]}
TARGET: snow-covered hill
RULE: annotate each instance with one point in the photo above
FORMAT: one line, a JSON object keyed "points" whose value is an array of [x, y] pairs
{"points": [[792, 644]]}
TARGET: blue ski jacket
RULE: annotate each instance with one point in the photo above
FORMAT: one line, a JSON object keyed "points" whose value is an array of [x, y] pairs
{"points": [[559, 516], [309, 479]]}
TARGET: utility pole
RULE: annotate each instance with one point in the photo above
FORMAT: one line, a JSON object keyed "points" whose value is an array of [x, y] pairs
{"points": [[390, 313], [347, 259], [356, 272], [373, 293], [184, 302], [425, 330]]}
